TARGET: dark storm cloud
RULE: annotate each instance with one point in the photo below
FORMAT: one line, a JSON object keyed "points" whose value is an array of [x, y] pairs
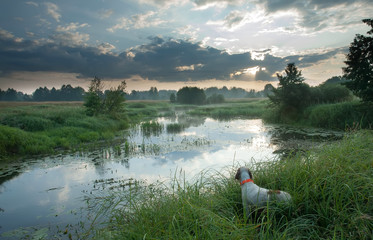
{"points": [[164, 60]]}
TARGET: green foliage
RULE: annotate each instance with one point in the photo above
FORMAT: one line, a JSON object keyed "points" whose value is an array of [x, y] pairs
{"points": [[292, 95], [112, 102], [360, 65], [329, 93], [330, 188], [191, 95], [94, 98]]}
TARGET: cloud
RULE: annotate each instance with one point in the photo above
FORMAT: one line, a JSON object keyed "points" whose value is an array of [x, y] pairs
{"points": [[164, 60], [52, 10], [67, 35], [106, 13], [188, 30], [205, 4], [313, 16], [164, 4], [32, 4], [138, 21], [70, 38], [237, 19], [189, 68], [71, 27]]}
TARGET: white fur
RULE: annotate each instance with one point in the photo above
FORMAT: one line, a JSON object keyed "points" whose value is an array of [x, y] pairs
{"points": [[253, 195]]}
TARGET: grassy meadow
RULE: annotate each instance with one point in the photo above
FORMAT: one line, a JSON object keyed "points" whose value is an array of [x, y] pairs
{"points": [[28, 128], [331, 189]]}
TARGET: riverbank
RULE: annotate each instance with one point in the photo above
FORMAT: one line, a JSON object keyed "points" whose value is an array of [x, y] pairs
{"points": [[28, 129], [33, 128], [331, 189]]}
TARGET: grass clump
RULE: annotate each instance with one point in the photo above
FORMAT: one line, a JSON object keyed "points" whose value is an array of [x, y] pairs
{"points": [[151, 128], [331, 189], [175, 128]]}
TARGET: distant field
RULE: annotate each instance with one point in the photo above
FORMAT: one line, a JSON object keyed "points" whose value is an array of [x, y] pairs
{"points": [[19, 104]]}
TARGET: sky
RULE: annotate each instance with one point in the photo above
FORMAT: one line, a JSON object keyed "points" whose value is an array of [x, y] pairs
{"points": [[169, 44]]}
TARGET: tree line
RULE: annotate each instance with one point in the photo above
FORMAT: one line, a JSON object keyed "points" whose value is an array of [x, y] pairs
{"points": [[69, 93], [65, 93]]}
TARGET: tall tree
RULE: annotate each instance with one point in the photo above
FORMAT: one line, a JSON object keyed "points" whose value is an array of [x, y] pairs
{"points": [[292, 95], [92, 101], [114, 100], [360, 65]]}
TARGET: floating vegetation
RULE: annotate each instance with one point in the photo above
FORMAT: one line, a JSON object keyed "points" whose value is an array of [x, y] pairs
{"points": [[196, 142]]}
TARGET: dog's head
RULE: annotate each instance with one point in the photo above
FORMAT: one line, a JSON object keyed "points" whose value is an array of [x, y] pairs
{"points": [[240, 170]]}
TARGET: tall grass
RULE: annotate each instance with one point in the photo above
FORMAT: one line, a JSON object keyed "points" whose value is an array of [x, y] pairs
{"points": [[38, 129], [340, 115], [331, 189]]}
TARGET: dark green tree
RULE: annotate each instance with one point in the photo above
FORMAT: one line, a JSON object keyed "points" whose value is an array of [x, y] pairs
{"points": [[292, 95], [360, 65], [114, 100], [111, 103], [191, 95], [93, 98], [41, 94]]}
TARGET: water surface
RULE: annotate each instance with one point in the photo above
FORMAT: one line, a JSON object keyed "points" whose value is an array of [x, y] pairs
{"points": [[46, 196]]}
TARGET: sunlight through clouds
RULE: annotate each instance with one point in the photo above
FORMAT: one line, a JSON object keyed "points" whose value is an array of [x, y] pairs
{"points": [[171, 43]]}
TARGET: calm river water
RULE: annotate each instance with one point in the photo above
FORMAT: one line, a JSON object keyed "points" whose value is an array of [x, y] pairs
{"points": [[46, 196]]}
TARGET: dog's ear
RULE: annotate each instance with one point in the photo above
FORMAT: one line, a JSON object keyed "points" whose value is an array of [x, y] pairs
{"points": [[238, 175], [251, 176]]}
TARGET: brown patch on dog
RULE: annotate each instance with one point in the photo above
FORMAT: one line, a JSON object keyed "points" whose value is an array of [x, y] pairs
{"points": [[270, 192]]}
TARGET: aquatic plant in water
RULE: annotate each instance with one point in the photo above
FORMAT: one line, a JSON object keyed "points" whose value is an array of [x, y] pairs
{"points": [[151, 128]]}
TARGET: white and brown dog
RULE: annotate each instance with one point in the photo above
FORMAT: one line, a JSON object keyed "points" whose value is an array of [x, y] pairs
{"points": [[253, 195]]}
